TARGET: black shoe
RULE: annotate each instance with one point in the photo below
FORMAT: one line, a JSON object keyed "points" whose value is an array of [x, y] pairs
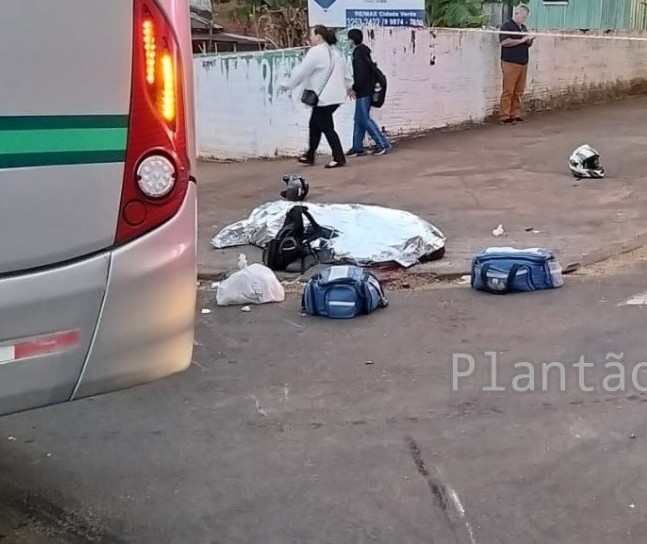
{"points": [[304, 159], [519, 119], [353, 153], [508, 121]]}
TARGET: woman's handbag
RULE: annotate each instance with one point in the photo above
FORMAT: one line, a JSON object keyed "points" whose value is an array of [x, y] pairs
{"points": [[311, 98]]}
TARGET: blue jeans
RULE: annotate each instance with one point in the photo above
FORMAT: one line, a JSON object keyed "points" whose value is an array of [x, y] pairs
{"points": [[364, 124]]}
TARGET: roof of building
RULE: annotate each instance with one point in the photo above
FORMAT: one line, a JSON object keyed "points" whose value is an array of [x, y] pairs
{"points": [[202, 21]]}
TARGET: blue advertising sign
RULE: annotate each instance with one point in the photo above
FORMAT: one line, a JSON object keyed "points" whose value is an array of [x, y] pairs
{"points": [[385, 17], [366, 13]]}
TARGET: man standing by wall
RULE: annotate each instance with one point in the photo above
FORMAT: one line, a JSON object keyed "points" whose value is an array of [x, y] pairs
{"points": [[514, 65]]}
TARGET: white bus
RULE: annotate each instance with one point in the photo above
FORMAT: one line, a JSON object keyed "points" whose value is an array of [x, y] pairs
{"points": [[97, 197]]}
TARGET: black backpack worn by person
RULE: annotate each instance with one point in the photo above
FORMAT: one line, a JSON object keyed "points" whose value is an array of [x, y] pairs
{"points": [[292, 242], [379, 93]]}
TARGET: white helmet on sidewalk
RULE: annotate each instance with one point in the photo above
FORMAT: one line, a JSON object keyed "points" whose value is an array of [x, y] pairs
{"points": [[585, 163]]}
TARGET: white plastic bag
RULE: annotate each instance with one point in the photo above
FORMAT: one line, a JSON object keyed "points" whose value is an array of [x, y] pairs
{"points": [[253, 284]]}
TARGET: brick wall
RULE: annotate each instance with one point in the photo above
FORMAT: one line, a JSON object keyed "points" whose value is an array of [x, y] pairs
{"points": [[435, 80]]}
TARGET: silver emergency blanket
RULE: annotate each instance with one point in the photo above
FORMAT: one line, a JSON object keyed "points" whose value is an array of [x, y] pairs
{"points": [[365, 234]]}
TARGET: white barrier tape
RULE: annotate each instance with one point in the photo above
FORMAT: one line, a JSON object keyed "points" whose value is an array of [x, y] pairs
{"points": [[541, 34]]}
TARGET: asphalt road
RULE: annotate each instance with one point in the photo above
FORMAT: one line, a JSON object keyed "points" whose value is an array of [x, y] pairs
{"points": [[297, 430]]}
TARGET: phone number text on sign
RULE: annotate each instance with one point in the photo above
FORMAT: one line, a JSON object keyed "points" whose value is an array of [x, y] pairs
{"points": [[385, 17]]}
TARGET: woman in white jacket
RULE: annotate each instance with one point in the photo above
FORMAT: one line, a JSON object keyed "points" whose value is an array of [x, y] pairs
{"points": [[324, 72]]}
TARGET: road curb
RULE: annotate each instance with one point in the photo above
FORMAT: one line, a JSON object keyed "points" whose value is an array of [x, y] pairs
{"points": [[215, 276], [420, 272], [614, 250]]}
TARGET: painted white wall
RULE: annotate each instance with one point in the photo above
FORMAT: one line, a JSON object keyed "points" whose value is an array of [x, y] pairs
{"points": [[435, 80]]}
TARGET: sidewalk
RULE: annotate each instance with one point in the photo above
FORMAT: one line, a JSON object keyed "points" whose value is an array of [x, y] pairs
{"points": [[467, 183]]}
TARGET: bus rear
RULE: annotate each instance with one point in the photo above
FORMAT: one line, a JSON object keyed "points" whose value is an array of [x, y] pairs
{"points": [[97, 197]]}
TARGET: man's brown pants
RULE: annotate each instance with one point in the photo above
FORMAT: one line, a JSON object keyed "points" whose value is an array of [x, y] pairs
{"points": [[514, 84]]}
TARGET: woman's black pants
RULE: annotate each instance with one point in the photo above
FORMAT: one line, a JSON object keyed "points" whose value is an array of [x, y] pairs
{"points": [[321, 122]]}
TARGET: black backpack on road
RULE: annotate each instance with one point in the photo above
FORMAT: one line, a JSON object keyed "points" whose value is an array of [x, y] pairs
{"points": [[292, 242]]}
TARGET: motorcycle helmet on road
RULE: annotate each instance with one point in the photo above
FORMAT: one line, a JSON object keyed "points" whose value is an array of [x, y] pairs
{"points": [[297, 188], [585, 163]]}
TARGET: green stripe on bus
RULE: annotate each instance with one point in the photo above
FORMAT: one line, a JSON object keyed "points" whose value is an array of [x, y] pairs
{"points": [[56, 140], [14, 142], [57, 122], [32, 160]]}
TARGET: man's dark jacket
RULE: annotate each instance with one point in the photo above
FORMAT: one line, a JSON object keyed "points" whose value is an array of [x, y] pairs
{"points": [[363, 75]]}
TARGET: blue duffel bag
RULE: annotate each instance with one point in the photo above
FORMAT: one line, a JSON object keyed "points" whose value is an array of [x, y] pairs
{"points": [[502, 270], [342, 292]]}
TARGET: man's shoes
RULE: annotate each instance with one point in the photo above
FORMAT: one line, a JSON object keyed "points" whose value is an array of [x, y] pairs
{"points": [[379, 151], [353, 153], [519, 119], [508, 121]]}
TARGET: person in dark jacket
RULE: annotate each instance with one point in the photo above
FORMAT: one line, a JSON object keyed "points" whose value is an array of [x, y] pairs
{"points": [[363, 85]]}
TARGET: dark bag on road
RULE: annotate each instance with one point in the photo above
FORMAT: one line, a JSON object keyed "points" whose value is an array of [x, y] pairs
{"points": [[292, 242], [501, 270], [343, 292]]}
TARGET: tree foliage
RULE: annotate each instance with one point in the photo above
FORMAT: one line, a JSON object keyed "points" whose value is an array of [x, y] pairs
{"points": [[455, 13], [283, 23]]}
